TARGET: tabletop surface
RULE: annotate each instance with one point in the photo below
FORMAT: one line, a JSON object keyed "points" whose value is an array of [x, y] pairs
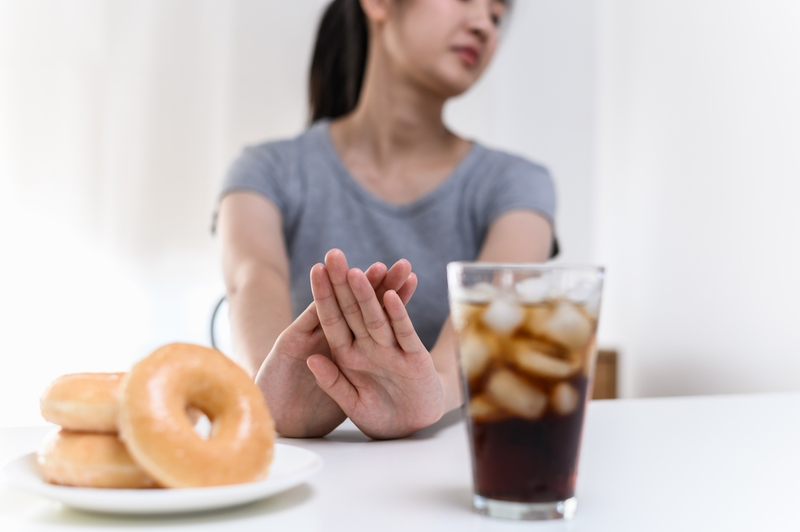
{"points": [[697, 463]]}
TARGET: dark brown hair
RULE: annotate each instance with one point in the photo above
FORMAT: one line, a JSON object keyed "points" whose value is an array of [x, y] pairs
{"points": [[340, 57]]}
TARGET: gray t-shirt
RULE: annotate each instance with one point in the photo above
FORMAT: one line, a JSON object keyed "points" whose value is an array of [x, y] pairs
{"points": [[323, 207]]}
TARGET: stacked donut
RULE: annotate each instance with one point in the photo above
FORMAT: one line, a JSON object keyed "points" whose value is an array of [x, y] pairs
{"points": [[135, 430], [87, 451]]}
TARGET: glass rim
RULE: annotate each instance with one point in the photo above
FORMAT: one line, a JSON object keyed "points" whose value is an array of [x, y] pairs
{"points": [[525, 266]]}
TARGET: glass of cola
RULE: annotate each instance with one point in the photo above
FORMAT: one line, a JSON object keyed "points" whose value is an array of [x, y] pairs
{"points": [[526, 346]]}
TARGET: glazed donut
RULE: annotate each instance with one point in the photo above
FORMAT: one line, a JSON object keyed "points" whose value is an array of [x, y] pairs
{"points": [[89, 460], [154, 425], [85, 402]]}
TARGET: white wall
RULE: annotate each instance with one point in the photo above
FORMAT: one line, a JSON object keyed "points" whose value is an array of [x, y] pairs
{"points": [[670, 128], [698, 180], [118, 119]]}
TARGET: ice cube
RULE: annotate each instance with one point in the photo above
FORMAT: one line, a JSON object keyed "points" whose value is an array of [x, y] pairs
{"points": [[503, 315], [476, 351], [566, 325], [539, 346], [479, 293], [516, 395], [482, 409], [586, 294], [535, 316], [565, 398], [534, 289], [529, 358]]}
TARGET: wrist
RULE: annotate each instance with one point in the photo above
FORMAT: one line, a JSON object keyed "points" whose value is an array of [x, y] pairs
{"points": [[452, 394]]}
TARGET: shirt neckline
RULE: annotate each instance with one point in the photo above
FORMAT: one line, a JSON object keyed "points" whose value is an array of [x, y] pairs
{"points": [[349, 182]]}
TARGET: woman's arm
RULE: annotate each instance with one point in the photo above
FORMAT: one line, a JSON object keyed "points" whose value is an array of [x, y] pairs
{"points": [[270, 346], [256, 270], [516, 236], [255, 267]]}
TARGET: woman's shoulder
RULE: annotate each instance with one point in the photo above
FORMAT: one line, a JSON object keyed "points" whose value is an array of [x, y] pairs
{"points": [[494, 171], [280, 152], [273, 169], [502, 181], [506, 163]]}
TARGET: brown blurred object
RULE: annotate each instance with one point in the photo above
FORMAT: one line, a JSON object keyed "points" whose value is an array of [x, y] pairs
{"points": [[605, 375]]}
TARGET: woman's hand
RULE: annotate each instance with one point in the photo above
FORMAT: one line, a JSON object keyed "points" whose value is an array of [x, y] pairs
{"points": [[379, 372], [299, 407]]}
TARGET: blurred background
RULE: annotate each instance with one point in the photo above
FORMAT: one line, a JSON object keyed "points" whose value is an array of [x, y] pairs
{"points": [[672, 130]]}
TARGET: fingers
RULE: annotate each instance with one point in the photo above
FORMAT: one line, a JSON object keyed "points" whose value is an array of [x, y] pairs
{"points": [[376, 273], [407, 290], [333, 382], [308, 320], [375, 319], [399, 278], [401, 324], [333, 323], [305, 328], [395, 278], [363, 313], [336, 265]]}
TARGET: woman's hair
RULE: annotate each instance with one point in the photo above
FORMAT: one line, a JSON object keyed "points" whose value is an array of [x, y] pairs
{"points": [[340, 56]]}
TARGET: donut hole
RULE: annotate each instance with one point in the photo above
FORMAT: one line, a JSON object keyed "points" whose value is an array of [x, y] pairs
{"points": [[201, 423]]}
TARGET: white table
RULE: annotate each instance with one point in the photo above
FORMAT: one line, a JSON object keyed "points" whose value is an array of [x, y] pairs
{"points": [[725, 463]]}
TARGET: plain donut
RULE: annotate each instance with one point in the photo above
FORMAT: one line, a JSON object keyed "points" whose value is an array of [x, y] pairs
{"points": [[158, 433], [86, 402], [89, 460]]}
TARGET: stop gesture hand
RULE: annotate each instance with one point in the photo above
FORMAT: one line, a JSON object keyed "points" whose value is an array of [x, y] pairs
{"points": [[379, 372], [299, 407]]}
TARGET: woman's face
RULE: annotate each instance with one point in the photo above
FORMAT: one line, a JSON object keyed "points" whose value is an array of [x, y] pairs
{"points": [[443, 45]]}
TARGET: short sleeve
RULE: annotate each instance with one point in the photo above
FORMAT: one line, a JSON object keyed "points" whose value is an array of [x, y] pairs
{"points": [[259, 169], [523, 185]]}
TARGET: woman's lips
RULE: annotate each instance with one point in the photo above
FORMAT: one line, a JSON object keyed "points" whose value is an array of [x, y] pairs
{"points": [[467, 54]]}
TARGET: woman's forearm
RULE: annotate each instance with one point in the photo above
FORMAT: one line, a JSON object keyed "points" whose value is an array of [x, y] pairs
{"points": [[446, 362], [260, 309], [268, 343]]}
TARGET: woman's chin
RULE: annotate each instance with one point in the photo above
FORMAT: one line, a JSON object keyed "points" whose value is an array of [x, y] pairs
{"points": [[447, 78], [457, 81], [453, 89], [451, 85]]}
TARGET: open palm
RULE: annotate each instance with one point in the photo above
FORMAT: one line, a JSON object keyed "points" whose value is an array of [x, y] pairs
{"points": [[299, 406], [378, 372]]}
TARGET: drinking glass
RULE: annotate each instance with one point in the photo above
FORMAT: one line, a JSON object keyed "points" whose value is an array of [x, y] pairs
{"points": [[526, 348]]}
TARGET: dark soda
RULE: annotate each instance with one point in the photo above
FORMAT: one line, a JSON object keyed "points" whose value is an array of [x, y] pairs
{"points": [[523, 460], [526, 381]]}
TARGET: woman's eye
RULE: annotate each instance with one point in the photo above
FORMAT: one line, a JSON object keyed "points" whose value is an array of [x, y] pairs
{"points": [[498, 9], [496, 18]]}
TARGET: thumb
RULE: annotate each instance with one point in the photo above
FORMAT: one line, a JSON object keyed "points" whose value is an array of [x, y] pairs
{"points": [[333, 382], [308, 320]]}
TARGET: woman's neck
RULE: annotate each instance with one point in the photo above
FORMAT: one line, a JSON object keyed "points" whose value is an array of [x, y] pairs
{"points": [[394, 143], [396, 117]]}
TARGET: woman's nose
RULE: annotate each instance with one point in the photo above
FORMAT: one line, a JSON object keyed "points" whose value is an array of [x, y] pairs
{"points": [[480, 20]]}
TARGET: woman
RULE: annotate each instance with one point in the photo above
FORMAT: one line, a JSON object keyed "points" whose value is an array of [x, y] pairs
{"points": [[380, 177]]}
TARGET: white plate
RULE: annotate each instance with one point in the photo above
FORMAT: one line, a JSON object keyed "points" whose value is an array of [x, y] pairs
{"points": [[291, 466]]}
